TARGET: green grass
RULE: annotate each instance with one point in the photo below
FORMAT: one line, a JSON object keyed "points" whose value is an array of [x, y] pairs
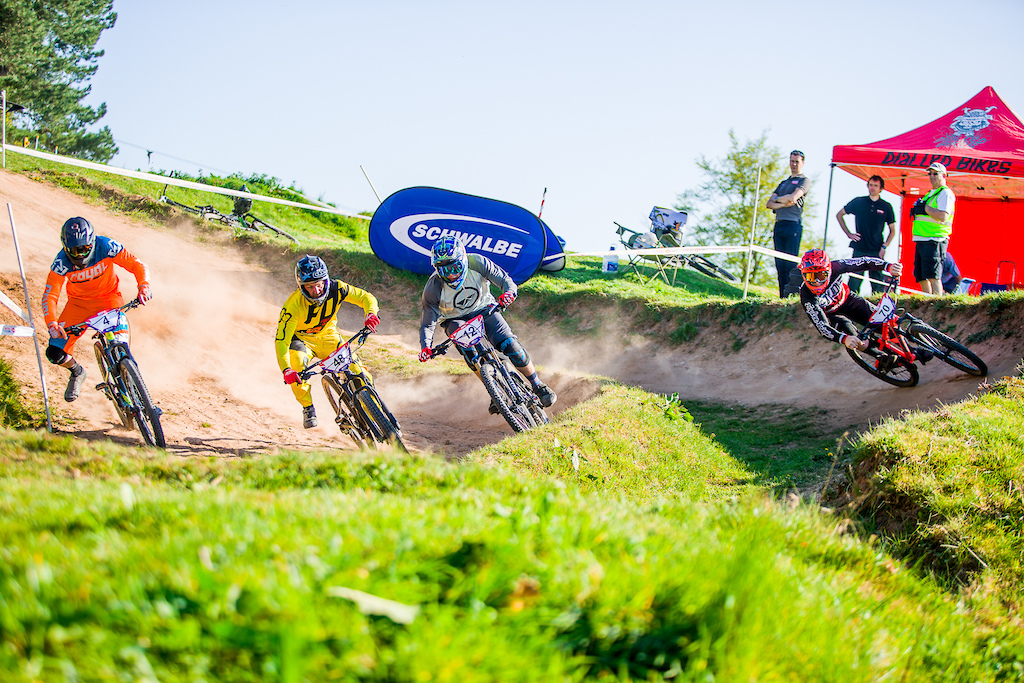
{"points": [[148, 566], [794, 452], [948, 486]]}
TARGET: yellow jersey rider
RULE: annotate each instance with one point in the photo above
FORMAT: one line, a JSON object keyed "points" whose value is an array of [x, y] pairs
{"points": [[308, 326]]}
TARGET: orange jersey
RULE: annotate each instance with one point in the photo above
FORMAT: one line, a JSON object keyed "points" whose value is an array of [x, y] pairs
{"points": [[95, 282]]}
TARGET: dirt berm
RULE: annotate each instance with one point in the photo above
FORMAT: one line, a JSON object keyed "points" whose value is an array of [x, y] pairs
{"points": [[205, 347]]}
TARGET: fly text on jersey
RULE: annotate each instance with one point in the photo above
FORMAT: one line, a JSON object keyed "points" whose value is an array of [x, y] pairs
{"points": [[469, 240]]}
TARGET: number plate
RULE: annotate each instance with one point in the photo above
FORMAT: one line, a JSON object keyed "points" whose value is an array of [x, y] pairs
{"points": [[107, 321], [339, 360], [885, 311], [469, 334]]}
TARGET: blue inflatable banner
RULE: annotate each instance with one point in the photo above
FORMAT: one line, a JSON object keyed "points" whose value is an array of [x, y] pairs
{"points": [[554, 255], [407, 224]]}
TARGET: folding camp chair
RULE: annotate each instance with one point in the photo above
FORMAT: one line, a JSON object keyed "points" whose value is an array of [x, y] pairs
{"points": [[631, 239], [666, 231]]}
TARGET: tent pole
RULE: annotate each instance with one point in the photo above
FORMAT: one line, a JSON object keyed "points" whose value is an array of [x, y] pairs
{"points": [[828, 202]]}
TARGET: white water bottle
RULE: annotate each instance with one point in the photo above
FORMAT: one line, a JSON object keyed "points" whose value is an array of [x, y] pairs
{"points": [[610, 263]]}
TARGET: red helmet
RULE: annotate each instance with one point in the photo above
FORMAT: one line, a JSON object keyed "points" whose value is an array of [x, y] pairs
{"points": [[816, 267]]}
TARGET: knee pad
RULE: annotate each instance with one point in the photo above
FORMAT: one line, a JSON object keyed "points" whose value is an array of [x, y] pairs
{"points": [[56, 355], [515, 352]]}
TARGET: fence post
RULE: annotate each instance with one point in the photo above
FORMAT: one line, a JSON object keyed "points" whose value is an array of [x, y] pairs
{"points": [[753, 224]]}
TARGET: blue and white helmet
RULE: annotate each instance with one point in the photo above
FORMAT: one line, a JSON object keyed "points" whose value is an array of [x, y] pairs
{"points": [[79, 240], [449, 259], [310, 270]]}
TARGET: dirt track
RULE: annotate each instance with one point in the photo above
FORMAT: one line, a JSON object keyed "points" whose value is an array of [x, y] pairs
{"points": [[205, 346]]}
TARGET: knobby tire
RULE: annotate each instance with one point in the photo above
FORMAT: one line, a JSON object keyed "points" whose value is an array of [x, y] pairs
{"points": [[343, 412], [901, 374], [112, 387], [385, 430], [947, 349], [515, 415], [147, 416], [711, 269], [258, 224]]}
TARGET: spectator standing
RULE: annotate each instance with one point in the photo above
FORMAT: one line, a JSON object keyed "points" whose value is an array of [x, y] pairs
{"points": [[788, 204], [933, 224], [871, 215]]}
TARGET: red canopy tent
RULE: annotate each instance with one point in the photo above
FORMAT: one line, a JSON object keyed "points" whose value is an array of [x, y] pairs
{"points": [[982, 146]]}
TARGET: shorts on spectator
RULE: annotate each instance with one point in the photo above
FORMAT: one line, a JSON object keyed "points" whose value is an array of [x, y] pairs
{"points": [[928, 258]]}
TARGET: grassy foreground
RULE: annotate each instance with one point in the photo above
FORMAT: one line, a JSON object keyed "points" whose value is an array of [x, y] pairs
{"points": [[137, 565]]}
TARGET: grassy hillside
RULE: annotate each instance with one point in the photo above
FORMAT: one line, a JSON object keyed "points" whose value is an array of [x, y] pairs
{"points": [[635, 538]]}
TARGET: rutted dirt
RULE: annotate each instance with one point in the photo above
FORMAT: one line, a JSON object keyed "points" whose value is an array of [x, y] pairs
{"points": [[205, 347]]}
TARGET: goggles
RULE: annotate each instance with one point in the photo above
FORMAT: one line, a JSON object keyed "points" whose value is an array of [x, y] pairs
{"points": [[450, 271], [79, 253], [816, 278]]}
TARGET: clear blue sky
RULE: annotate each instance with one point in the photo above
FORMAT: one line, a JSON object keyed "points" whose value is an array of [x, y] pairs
{"points": [[607, 105]]}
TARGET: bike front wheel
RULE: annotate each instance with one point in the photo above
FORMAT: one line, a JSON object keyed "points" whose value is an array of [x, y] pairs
{"points": [[947, 349], [514, 412], [109, 387], [377, 417], [710, 268], [344, 415], [887, 367], [147, 415]]}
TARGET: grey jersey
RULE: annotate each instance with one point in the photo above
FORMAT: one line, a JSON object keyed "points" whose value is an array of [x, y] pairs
{"points": [[789, 186], [443, 302]]}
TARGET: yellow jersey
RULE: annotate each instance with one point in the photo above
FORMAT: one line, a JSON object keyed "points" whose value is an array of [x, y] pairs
{"points": [[299, 318]]}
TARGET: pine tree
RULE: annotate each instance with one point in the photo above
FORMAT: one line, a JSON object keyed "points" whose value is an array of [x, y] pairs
{"points": [[47, 56]]}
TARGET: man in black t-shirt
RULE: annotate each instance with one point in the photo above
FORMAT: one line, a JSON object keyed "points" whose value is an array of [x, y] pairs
{"points": [[872, 214]]}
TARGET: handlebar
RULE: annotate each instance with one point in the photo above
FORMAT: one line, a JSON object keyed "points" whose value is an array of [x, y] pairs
{"points": [[359, 338], [75, 330], [442, 348]]}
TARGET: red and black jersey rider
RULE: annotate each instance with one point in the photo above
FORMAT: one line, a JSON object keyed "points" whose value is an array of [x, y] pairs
{"points": [[824, 294]]}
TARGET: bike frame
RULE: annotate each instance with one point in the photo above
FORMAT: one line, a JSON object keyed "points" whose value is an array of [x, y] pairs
{"points": [[889, 319], [112, 351], [338, 364], [476, 350]]}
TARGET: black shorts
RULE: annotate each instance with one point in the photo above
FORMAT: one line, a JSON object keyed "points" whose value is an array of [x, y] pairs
{"points": [[928, 258]]}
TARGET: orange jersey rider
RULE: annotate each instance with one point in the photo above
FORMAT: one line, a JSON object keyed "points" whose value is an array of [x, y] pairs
{"points": [[86, 263]]}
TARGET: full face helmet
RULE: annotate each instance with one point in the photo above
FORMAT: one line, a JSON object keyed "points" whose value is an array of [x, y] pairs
{"points": [[449, 259], [816, 267], [79, 240], [311, 274]]}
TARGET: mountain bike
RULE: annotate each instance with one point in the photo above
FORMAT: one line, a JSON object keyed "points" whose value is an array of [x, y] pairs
{"points": [[240, 217], [358, 408], [122, 382], [508, 389], [898, 341]]}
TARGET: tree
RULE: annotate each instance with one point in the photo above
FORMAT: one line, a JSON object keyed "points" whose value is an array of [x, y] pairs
{"points": [[47, 56], [721, 210]]}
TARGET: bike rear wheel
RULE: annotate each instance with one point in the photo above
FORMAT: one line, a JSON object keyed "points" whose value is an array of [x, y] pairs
{"points": [[344, 414], [515, 413], [258, 224], [947, 349], [147, 415], [376, 415], [887, 367], [710, 268]]}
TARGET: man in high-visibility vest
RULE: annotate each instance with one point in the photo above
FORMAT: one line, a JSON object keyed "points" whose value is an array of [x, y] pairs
{"points": [[933, 223]]}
